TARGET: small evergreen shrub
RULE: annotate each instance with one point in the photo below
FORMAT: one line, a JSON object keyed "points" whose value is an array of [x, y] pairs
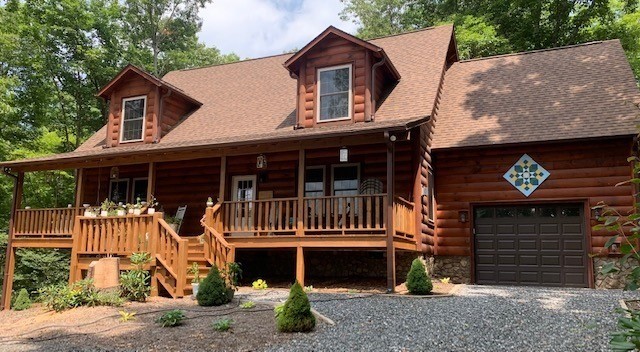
{"points": [[418, 282], [295, 315], [171, 318], [22, 301], [214, 290]]}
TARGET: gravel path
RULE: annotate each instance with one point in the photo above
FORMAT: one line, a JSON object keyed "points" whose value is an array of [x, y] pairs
{"points": [[479, 318]]}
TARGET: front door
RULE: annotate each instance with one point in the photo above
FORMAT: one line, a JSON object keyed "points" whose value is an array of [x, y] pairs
{"points": [[244, 191]]}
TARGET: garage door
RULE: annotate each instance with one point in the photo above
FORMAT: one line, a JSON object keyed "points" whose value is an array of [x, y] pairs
{"points": [[531, 245]]}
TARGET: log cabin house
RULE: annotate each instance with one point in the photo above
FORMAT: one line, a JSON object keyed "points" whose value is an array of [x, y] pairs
{"points": [[355, 154]]}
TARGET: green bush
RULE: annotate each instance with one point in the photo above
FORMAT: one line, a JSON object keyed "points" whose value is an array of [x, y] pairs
{"points": [[214, 290], [627, 337], [295, 315], [418, 282], [223, 324], [171, 318], [82, 293], [22, 301], [135, 285]]}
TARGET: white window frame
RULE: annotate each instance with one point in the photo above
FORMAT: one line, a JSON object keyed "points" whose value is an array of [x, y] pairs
{"points": [[334, 166], [126, 193], [318, 94], [133, 188], [324, 179], [144, 118]]}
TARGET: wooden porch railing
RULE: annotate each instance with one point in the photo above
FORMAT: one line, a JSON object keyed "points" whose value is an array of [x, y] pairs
{"points": [[114, 235], [365, 212], [403, 218], [217, 250], [260, 217], [171, 256], [45, 223]]}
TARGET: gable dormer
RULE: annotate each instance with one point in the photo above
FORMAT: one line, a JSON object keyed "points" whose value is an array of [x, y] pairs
{"points": [[142, 107], [340, 79]]}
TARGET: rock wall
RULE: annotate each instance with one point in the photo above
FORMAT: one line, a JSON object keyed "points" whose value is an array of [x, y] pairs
{"points": [[458, 268], [613, 280]]}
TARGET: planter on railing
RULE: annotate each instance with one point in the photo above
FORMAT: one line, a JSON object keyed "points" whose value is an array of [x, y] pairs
{"points": [[260, 217], [365, 212], [43, 223], [403, 218]]}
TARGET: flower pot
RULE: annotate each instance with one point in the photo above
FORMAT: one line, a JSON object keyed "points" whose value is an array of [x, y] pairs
{"points": [[174, 227], [104, 213], [87, 213], [120, 212], [137, 211], [130, 211], [86, 205], [209, 204], [151, 211], [195, 289]]}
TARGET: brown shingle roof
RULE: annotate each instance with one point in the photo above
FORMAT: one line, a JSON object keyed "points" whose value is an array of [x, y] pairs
{"points": [[574, 92]]}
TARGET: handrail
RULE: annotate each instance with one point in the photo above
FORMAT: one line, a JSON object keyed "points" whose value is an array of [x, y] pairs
{"points": [[171, 254], [256, 217], [218, 252], [45, 222], [122, 235], [404, 218], [350, 196]]}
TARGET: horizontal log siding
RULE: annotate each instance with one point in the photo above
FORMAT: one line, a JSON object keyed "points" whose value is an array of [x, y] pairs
{"points": [[188, 183], [587, 170], [132, 87], [174, 108], [427, 227], [96, 181]]}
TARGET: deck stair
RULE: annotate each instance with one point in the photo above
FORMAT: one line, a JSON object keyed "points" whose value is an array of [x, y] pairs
{"points": [[196, 254]]}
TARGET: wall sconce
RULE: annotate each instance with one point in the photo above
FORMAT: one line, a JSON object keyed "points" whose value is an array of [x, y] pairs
{"points": [[463, 216], [114, 173], [261, 162], [597, 212], [344, 155], [425, 191], [615, 248]]}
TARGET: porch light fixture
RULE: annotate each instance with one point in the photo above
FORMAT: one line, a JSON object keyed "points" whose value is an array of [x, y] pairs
{"points": [[344, 155], [261, 162], [463, 216], [115, 173]]}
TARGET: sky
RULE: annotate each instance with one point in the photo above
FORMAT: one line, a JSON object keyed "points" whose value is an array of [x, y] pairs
{"points": [[256, 28]]}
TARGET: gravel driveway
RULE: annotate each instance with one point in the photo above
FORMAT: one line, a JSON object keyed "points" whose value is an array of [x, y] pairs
{"points": [[479, 318]]}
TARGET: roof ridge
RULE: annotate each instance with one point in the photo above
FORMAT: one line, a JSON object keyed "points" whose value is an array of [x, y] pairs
{"points": [[411, 31], [538, 50]]}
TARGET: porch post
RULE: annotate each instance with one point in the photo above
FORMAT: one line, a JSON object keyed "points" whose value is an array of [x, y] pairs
{"points": [[151, 181], [79, 189], [391, 255], [301, 215], [300, 265], [7, 284], [223, 178]]}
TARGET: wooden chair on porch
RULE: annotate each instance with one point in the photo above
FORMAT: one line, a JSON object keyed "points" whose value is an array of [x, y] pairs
{"points": [[180, 217]]}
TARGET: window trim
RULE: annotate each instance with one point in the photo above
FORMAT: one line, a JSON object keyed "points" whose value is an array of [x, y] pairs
{"points": [[133, 188], [319, 95], [334, 166], [324, 179], [126, 193], [144, 118]]}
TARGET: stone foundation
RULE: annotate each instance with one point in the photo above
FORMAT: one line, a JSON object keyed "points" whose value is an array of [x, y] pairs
{"points": [[613, 280], [458, 268]]}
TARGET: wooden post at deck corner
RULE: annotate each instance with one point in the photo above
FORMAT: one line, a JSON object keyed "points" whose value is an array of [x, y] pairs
{"points": [[391, 255], [223, 178], [79, 189], [7, 284], [151, 181], [300, 265], [301, 212]]}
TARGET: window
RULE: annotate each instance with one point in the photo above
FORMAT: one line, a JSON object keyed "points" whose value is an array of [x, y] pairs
{"points": [[431, 195], [133, 112], [345, 182], [139, 189], [334, 93], [314, 182], [118, 190]]}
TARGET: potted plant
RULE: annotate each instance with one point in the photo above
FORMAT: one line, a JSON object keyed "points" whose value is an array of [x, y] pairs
{"points": [[151, 206], [195, 282], [172, 221], [137, 208], [120, 211], [105, 207], [209, 202], [129, 208]]}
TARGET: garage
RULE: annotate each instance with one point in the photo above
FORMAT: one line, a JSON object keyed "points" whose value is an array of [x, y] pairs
{"points": [[539, 245]]}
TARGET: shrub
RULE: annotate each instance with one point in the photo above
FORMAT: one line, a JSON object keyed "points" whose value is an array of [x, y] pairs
{"points": [[259, 285], [627, 338], [82, 293], [223, 324], [295, 315], [214, 291], [248, 305], [171, 318], [135, 284], [23, 301], [418, 282]]}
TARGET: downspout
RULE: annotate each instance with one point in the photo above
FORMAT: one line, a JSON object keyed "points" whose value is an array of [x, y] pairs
{"points": [[161, 114], [373, 86]]}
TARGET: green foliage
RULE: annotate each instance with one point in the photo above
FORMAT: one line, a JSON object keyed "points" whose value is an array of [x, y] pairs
{"points": [[295, 315], [223, 324], [232, 274], [22, 302], [418, 282], [171, 318], [127, 316], [195, 271], [248, 305], [135, 284], [627, 337], [37, 268], [214, 290], [445, 280], [82, 293], [259, 285]]}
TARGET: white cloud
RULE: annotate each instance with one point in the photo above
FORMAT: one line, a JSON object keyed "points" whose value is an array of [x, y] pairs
{"points": [[255, 28]]}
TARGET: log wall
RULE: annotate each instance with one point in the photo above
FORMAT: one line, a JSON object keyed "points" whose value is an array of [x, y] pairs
{"points": [[585, 170]]}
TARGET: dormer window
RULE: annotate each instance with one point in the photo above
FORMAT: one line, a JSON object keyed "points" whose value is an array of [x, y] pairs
{"points": [[334, 93], [133, 113]]}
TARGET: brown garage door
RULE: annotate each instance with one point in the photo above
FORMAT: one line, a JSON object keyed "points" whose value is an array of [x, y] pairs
{"points": [[531, 245]]}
